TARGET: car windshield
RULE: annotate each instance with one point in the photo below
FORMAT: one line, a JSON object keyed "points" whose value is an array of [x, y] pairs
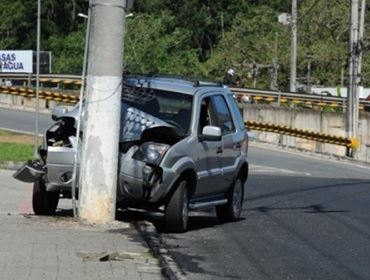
{"points": [[172, 107]]}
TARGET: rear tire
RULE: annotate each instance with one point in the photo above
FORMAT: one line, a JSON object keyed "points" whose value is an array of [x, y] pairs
{"points": [[43, 202], [177, 209], [231, 211]]}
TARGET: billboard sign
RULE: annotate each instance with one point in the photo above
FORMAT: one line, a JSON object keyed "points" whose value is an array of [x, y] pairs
{"points": [[15, 61]]}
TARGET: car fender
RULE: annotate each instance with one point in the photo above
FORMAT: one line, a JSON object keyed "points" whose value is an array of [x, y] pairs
{"points": [[242, 164], [172, 174]]}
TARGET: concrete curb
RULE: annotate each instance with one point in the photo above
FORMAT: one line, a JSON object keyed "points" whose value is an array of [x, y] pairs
{"points": [[170, 268], [10, 165]]}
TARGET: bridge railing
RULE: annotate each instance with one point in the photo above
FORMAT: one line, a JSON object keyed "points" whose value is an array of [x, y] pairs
{"points": [[255, 95]]}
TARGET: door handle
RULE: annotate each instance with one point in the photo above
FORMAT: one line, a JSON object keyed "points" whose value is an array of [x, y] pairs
{"points": [[219, 150]]}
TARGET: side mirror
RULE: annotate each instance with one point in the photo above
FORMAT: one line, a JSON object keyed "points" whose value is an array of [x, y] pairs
{"points": [[58, 112], [211, 133]]}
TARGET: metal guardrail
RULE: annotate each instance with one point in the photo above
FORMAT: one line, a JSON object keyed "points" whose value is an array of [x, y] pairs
{"points": [[44, 78], [258, 95], [352, 143], [72, 98], [294, 98], [58, 96]]}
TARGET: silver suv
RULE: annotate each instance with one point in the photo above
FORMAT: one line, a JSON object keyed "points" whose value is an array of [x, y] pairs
{"points": [[183, 146]]}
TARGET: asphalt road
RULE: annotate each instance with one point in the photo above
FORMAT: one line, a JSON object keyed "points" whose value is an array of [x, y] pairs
{"points": [[23, 121], [303, 218]]}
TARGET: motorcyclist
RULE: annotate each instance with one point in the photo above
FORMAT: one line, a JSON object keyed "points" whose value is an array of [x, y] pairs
{"points": [[231, 78]]}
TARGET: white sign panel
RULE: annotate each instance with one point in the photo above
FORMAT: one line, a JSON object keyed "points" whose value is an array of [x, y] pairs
{"points": [[15, 61]]}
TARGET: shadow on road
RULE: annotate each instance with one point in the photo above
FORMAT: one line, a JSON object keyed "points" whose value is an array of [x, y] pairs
{"points": [[197, 220]]}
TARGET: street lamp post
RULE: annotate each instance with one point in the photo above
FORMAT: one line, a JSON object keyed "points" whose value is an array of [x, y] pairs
{"points": [[37, 76], [309, 60], [80, 105]]}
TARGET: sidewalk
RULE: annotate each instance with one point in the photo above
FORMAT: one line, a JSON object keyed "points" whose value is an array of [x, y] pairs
{"points": [[59, 247]]}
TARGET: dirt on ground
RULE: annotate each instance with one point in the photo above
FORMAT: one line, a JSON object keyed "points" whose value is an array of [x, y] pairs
{"points": [[12, 137]]}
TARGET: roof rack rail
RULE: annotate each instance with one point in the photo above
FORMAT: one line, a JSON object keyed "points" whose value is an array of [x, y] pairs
{"points": [[196, 82], [208, 84], [170, 76], [154, 75]]}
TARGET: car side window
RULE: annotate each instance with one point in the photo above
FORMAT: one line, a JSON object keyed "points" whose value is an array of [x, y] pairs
{"points": [[238, 120], [207, 117], [223, 115]]}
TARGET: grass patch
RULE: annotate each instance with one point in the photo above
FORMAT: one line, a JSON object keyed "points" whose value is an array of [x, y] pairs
{"points": [[15, 152], [15, 147]]}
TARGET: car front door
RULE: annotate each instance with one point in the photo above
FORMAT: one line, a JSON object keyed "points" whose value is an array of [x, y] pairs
{"points": [[231, 145], [207, 154]]}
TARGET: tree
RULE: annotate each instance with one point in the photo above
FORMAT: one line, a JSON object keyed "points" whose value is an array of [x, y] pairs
{"points": [[186, 37], [68, 52], [155, 45]]}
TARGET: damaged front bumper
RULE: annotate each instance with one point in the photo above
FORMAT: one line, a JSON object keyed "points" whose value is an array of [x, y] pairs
{"points": [[57, 170], [139, 181], [30, 171]]}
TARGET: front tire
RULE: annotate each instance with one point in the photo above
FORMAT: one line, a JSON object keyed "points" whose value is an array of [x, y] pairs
{"points": [[43, 202], [177, 209], [231, 211]]}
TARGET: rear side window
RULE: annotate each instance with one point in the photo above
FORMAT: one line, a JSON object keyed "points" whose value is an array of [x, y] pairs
{"points": [[223, 115], [238, 118]]}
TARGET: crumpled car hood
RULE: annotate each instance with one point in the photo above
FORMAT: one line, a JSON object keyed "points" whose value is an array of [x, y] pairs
{"points": [[135, 121]]}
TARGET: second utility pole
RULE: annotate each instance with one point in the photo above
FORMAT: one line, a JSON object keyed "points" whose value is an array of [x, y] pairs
{"points": [[99, 163], [293, 52], [352, 92]]}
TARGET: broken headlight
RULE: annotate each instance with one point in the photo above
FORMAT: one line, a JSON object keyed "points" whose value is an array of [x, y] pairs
{"points": [[151, 152]]}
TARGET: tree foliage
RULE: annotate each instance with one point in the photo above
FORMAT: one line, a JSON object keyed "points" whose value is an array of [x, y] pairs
{"points": [[197, 37]]}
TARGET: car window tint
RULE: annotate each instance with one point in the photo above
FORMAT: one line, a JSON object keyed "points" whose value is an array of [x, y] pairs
{"points": [[206, 116], [222, 112], [238, 120]]}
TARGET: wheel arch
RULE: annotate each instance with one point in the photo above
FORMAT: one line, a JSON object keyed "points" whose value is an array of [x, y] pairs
{"points": [[190, 176], [243, 172]]}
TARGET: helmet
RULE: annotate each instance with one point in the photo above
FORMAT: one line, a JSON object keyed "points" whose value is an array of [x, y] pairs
{"points": [[231, 72]]}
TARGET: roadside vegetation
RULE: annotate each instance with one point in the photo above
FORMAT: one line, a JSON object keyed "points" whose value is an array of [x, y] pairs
{"points": [[15, 147], [198, 38]]}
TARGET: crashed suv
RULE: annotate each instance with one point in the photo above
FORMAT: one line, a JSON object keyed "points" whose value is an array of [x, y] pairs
{"points": [[182, 147]]}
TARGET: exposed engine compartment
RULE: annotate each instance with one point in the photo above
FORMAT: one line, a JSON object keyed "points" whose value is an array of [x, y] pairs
{"points": [[58, 136], [161, 134]]}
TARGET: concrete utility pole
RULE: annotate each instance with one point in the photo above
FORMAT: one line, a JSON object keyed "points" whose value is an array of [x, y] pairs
{"points": [[293, 53], [98, 175], [353, 63], [361, 36]]}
